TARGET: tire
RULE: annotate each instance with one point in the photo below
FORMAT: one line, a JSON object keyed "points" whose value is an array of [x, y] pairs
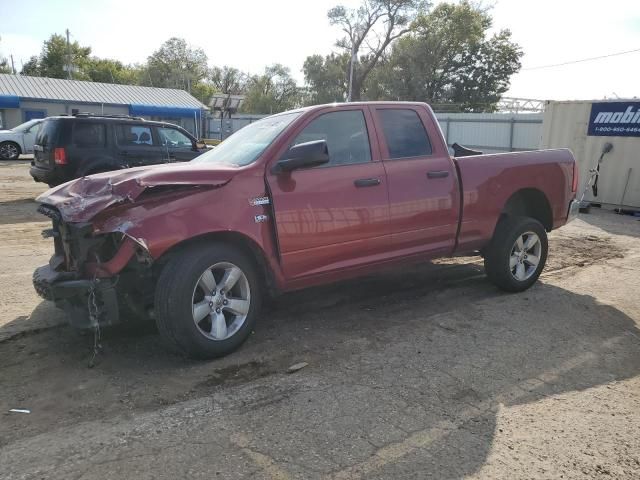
{"points": [[180, 300], [9, 151], [517, 244]]}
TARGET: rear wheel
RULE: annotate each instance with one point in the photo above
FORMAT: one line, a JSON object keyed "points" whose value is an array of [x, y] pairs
{"points": [[517, 254], [207, 300], [9, 150]]}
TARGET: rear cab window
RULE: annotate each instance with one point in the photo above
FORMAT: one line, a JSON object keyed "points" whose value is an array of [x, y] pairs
{"points": [[132, 135], [404, 132]]}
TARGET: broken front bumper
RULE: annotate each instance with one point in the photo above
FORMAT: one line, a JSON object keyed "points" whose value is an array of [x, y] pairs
{"points": [[79, 297]]}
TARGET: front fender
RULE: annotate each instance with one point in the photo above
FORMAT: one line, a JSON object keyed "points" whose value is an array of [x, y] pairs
{"points": [[161, 220]]}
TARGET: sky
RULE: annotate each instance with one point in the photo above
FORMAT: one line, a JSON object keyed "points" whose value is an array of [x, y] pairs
{"points": [[250, 34]]}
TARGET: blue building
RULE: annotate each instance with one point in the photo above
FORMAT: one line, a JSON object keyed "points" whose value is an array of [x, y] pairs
{"points": [[23, 98]]}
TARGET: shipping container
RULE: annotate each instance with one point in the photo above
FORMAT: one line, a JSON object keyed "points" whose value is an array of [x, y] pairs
{"points": [[586, 127]]}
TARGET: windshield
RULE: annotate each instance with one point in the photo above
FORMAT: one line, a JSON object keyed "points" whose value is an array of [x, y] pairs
{"points": [[246, 145], [22, 128]]}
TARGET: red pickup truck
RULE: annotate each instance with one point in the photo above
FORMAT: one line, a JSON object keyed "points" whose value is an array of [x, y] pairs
{"points": [[302, 198]]}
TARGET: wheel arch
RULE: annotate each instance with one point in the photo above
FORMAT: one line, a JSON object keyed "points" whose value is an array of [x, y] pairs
{"points": [[529, 202], [236, 239]]}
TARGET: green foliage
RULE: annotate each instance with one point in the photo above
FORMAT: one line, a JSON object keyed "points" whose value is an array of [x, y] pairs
{"points": [[369, 30], [445, 56], [326, 78], [5, 67], [176, 65], [228, 80], [31, 68], [53, 58], [449, 59], [112, 71], [272, 92]]}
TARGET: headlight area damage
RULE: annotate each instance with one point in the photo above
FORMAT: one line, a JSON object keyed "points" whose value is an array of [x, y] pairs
{"points": [[95, 276]]}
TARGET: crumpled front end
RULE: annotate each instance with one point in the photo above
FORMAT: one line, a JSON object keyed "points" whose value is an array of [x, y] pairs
{"points": [[102, 263], [87, 273]]}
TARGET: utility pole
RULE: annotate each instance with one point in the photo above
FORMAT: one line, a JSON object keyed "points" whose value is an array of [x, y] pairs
{"points": [[68, 56], [13, 67]]}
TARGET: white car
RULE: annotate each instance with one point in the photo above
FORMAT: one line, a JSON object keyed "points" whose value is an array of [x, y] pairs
{"points": [[18, 140]]}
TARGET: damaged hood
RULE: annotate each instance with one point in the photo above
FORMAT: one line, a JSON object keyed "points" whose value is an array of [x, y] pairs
{"points": [[80, 200]]}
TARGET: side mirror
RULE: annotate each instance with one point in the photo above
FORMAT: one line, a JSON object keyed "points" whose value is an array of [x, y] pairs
{"points": [[308, 154]]}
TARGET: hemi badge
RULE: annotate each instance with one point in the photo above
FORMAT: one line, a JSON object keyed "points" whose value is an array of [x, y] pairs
{"points": [[261, 218], [259, 201]]}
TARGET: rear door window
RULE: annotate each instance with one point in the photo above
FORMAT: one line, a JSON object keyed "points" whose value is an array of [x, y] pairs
{"points": [[404, 132], [134, 135], [88, 135]]}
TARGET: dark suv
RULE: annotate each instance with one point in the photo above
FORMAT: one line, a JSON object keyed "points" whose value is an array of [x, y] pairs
{"points": [[69, 147]]}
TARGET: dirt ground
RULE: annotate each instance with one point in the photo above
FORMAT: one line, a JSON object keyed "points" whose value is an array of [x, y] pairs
{"points": [[428, 372]]}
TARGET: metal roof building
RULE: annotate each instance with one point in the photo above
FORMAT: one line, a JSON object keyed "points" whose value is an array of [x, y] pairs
{"points": [[23, 98]]}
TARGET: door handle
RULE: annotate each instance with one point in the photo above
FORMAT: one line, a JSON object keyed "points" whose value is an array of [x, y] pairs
{"points": [[123, 153], [438, 174], [366, 182]]}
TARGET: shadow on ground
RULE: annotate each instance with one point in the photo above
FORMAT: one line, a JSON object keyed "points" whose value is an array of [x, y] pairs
{"points": [[421, 359]]}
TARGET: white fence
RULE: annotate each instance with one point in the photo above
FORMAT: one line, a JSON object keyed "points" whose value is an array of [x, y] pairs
{"points": [[493, 132], [488, 132]]}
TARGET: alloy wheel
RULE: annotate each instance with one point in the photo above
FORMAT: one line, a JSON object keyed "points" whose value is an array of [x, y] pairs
{"points": [[221, 301], [525, 256], [8, 151]]}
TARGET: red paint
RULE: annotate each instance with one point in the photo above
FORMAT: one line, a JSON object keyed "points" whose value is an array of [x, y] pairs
{"points": [[325, 228], [118, 262]]}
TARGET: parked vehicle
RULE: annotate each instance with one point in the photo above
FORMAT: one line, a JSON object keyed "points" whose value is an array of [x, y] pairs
{"points": [[18, 140], [69, 147], [302, 198]]}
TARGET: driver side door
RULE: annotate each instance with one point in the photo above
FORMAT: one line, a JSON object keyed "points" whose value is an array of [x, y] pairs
{"points": [[335, 216]]}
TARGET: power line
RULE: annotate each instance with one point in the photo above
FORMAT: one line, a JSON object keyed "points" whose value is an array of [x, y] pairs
{"points": [[583, 60]]}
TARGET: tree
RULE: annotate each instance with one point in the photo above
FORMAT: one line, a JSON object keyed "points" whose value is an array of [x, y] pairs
{"points": [[369, 30], [326, 78], [272, 92], [176, 65], [228, 80], [4, 64], [449, 59], [53, 58], [32, 67], [112, 71]]}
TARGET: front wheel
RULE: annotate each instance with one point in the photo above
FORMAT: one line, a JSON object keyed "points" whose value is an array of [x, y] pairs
{"points": [[517, 254], [207, 300]]}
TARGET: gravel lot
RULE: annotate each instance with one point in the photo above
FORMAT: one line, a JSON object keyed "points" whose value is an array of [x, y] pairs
{"points": [[428, 372]]}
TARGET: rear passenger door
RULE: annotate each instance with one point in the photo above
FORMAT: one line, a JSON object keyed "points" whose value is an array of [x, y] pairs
{"points": [[423, 185], [137, 145], [178, 146]]}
